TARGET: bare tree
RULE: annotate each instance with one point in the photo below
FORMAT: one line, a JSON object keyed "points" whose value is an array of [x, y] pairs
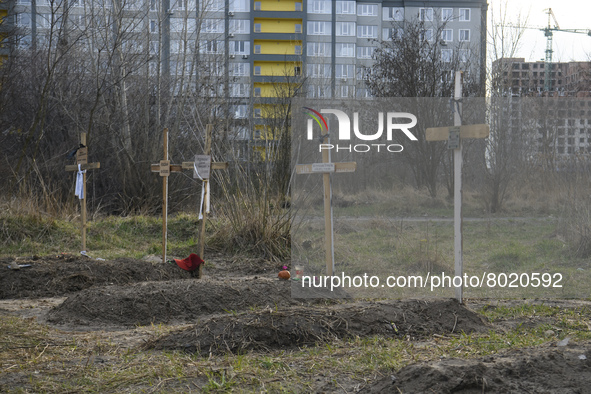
{"points": [[506, 144], [417, 62]]}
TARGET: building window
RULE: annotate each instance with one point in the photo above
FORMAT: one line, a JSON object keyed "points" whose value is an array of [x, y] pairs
{"points": [[319, 7], [447, 35], [298, 28], [346, 7], [391, 33], [446, 55], [153, 47], [345, 29], [365, 52], [464, 55], [257, 92], [464, 14], [212, 46], [316, 91], [257, 70], [23, 20], [345, 50], [239, 6], [426, 14], [347, 91], [367, 31], [257, 113], [344, 71], [212, 26], [367, 10], [239, 26], [447, 14], [211, 5], [393, 13], [153, 26], [257, 27], [297, 70], [298, 6], [241, 47], [257, 49], [426, 35], [319, 49], [257, 5], [464, 35], [317, 28], [239, 90], [297, 50], [318, 70], [239, 69]]}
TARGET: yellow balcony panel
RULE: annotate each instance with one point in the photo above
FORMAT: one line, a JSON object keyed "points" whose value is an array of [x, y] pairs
{"points": [[271, 90], [267, 111], [266, 133], [277, 69], [263, 25], [271, 47], [277, 5]]}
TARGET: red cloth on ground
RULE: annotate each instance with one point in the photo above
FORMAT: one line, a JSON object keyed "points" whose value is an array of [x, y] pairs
{"points": [[191, 263]]}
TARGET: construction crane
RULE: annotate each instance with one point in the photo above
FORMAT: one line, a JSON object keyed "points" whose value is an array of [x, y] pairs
{"points": [[548, 32]]}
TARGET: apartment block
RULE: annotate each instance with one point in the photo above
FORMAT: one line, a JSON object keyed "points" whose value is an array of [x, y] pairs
{"points": [[555, 124], [521, 78], [260, 48]]}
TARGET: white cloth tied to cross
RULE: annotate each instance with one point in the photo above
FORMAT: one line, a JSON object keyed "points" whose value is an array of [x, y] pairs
{"points": [[79, 189], [203, 190]]}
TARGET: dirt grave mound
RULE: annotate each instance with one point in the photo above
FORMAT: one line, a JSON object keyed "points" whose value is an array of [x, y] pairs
{"points": [[546, 369], [300, 326], [169, 302], [60, 275]]}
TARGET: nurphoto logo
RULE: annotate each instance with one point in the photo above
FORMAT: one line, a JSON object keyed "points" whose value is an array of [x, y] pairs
{"points": [[393, 124]]}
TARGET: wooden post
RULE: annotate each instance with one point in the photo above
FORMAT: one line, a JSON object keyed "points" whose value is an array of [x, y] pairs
{"points": [[83, 200], [164, 168], [458, 218], [165, 173], [328, 219], [82, 160], [326, 168], [454, 135]]}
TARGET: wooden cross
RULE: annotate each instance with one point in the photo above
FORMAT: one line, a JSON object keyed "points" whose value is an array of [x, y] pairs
{"points": [[82, 161], [454, 136], [326, 168], [203, 165]]}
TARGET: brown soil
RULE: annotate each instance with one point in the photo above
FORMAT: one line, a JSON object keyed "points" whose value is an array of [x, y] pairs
{"points": [[64, 274], [545, 369], [299, 326], [240, 306], [170, 302]]}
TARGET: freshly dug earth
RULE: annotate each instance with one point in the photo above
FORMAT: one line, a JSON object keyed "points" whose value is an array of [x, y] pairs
{"points": [[170, 302], [64, 274], [545, 369], [299, 326]]}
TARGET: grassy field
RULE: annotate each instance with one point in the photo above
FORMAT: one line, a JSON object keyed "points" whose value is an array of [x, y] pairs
{"points": [[54, 361], [99, 362]]}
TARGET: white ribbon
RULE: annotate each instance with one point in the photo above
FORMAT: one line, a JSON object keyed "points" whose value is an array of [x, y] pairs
{"points": [[79, 189], [203, 193]]}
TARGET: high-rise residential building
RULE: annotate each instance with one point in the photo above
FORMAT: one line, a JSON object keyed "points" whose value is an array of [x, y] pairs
{"points": [[262, 47], [6, 26]]}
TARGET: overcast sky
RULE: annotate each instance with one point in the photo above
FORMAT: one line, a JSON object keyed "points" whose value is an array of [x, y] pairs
{"points": [[570, 14]]}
